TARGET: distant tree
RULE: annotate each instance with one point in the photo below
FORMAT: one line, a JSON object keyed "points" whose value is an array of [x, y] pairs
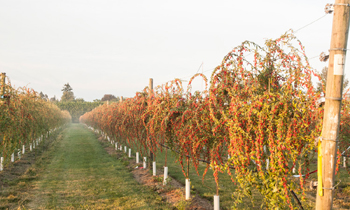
{"points": [[54, 99], [109, 97], [43, 96], [67, 88], [321, 86], [79, 100], [68, 94]]}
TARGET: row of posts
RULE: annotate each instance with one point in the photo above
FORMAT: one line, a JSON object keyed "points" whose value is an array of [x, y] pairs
{"points": [[21, 152], [154, 169], [127, 150]]}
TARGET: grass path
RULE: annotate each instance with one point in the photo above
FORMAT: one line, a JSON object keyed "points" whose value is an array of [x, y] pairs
{"points": [[82, 175]]}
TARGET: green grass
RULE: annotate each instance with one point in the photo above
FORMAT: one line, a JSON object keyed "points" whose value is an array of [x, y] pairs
{"points": [[207, 189], [82, 175]]}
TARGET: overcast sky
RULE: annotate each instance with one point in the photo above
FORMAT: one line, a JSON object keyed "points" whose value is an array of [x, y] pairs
{"points": [[114, 47]]}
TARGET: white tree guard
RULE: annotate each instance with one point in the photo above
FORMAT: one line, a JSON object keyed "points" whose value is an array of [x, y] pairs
{"points": [[165, 175], [154, 168], [216, 202], [188, 189]]}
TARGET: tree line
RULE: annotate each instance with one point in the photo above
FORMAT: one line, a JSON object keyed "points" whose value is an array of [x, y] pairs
{"points": [[77, 106]]}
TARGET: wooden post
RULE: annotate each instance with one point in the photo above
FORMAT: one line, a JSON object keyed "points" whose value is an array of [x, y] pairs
{"points": [[121, 98], [2, 89], [331, 120], [150, 88]]}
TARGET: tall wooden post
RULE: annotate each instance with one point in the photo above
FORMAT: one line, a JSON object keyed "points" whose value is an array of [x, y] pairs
{"points": [[331, 120], [2, 89], [150, 89], [150, 86]]}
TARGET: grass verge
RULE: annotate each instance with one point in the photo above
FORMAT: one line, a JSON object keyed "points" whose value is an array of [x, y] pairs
{"points": [[77, 173], [206, 187]]}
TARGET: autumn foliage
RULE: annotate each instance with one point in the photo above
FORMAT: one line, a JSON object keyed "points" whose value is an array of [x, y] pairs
{"points": [[260, 108], [24, 117]]}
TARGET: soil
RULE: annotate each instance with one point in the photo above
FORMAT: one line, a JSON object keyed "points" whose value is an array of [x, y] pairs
{"points": [[173, 192]]}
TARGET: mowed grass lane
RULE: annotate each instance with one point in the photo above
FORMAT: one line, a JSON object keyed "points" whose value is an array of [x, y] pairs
{"points": [[82, 175]]}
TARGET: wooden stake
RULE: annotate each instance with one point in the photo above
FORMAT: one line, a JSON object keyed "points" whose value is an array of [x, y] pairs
{"points": [[2, 89], [334, 87], [150, 87]]}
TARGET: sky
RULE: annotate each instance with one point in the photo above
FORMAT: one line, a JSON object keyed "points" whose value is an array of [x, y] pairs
{"points": [[113, 47]]}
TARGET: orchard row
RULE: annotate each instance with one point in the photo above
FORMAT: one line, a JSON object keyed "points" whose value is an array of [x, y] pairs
{"points": [[25, 119], [260, 108]]}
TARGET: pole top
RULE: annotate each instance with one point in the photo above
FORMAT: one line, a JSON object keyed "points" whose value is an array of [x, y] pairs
{"points": [[150, 84]]}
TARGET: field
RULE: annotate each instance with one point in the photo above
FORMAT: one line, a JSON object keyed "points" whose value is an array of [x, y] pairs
{"points": [[255, 137], [74, 170]]}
